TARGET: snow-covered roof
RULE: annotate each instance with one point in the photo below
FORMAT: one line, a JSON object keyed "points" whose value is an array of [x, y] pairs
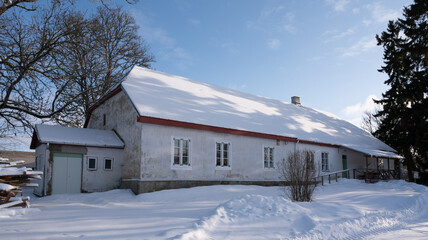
{"points": [[166, 96], [75, 136]]}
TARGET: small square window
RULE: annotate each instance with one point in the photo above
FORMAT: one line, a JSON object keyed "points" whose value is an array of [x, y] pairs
{"points": [[92, 163], [108, 163]]}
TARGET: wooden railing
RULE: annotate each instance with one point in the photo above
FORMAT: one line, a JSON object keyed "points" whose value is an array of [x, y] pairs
{"points": [[374, 175], [345, 174]]}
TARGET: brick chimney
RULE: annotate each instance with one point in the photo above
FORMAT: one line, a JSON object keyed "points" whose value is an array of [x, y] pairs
{"points": [[295, 100]]}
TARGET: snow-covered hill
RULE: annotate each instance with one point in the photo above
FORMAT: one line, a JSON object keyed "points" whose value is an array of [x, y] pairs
{"points": [[349, 209]]}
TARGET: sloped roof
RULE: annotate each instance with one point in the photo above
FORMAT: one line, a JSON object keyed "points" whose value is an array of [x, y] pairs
{"points": [[75, 136], [161, 95]]}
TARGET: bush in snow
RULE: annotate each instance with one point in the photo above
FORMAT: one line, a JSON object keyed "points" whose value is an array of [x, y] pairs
{"points": [[298, 173]]}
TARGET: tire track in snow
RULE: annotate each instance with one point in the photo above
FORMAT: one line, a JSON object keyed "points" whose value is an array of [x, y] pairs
{"points": [[375, 223]]}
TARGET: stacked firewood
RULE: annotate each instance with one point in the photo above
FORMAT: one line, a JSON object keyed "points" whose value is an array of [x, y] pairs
{"points": [[13, 179]]}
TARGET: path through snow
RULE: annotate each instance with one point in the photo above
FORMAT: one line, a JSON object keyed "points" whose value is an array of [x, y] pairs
{"points": [[346, 210]]}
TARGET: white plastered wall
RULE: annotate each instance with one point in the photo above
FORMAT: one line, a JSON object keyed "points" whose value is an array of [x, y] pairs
{"points": [[101, 179], [246, 155], [122, 118], [40, 155]]}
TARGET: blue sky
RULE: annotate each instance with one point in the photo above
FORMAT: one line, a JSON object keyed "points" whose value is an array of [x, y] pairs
{"points": [[321, 50]]}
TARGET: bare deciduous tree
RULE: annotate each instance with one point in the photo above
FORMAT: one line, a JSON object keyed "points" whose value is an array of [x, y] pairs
{"points": [[298, 173], [29, 87], [371, 121], [56, 62], [99, 54], [5, 5], [9, 4]]}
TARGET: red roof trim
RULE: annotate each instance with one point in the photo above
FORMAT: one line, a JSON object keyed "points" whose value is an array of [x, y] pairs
{"points": [[319, 144], [174, 123], [115, 91], [166, 122]]}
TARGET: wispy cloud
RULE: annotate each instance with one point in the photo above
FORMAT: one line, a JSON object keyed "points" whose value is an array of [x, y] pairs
{"points": [[338, 5], [274, 43], [194, 22], [354, 113], [235, 86], [363, 45], [381, 14], [334, 35], [231, 48], [274, 20], [168, 49]]}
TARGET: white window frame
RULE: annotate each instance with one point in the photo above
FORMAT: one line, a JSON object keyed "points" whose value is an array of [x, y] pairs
{"points": [[271, 160], [311, 162], [112, 161], [87, 163], [189, 156], [325, 162], [229, 155]]}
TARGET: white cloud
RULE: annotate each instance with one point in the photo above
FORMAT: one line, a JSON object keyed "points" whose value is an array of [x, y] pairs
{"points": [[194, 22], [237, 87], [354, 113], [380, 14], [168, 47], [335, 35], [274, 20], [338, 5], [158, 35], [274, 43], [230, 47], [364, 45]]}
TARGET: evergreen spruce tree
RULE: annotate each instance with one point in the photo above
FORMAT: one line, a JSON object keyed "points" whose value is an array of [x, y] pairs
{"points": [[404, 124]]}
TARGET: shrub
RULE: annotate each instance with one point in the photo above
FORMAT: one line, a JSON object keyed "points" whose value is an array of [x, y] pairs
{"points": [[298, 174]]}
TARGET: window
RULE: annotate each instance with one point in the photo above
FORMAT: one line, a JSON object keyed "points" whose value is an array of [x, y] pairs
{"points": [[108, 163], [310, 158], [181, 152], [92, 163], [268, 157], [104, 119], [324, 162], [223, 154]]}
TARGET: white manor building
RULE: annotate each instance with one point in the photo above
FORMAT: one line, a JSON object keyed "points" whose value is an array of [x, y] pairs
{"points": [[157, 131]]}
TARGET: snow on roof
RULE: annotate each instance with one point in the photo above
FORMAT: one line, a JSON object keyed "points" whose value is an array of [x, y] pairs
{"points": [[166, 96], [77, 136]]}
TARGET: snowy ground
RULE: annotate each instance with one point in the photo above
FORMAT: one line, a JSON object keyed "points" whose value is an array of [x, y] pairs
{"points": [[346, 210]]}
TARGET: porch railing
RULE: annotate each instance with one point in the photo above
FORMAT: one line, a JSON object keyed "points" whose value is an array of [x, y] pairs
{"points": [[374, 175], [343, 173]]}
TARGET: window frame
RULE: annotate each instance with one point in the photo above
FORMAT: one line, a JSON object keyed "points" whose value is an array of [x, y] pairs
{"points": [[88, 158], [325, 165], [311, 163], [111, 164], [271, 160], [229, 155], [180, 154]]}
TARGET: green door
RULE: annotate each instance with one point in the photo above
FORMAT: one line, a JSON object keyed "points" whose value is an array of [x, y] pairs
{"points": [[345, 165], [66, 173]]}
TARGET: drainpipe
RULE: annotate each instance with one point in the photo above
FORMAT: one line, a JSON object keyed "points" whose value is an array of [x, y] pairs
{"points": [[44, 168], [295, 145]]}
